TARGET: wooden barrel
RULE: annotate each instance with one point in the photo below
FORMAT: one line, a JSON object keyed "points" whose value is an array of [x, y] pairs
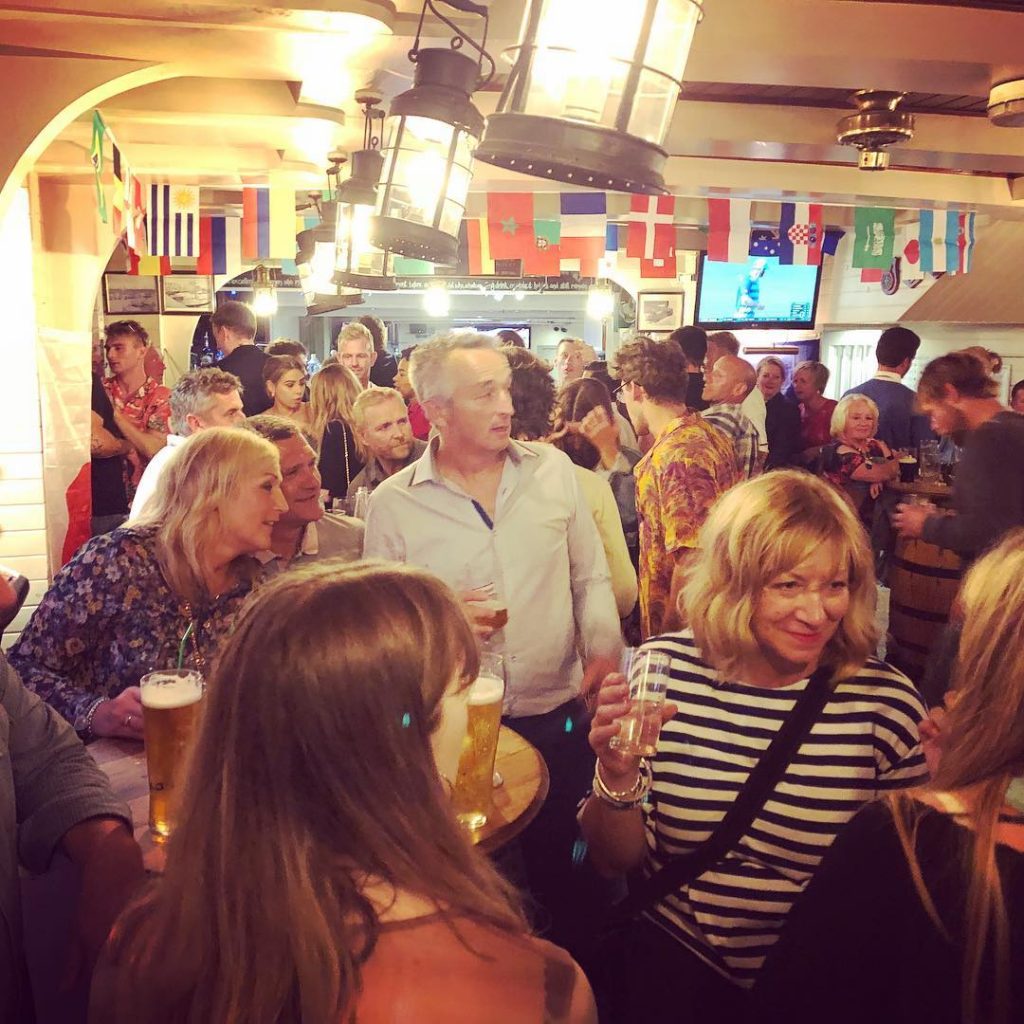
{"points": [[923, 583]]}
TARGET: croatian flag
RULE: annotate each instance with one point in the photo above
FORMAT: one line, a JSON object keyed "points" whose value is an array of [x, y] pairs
{"points": [[651, 228], [947, 241], [801, 234], [173, 217], [728, 230]]}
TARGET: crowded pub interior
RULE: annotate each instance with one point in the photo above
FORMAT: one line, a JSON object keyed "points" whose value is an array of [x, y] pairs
{"points": [[546, 541]]}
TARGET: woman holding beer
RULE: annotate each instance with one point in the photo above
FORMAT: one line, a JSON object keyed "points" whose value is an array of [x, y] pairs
{"points": [[165, 589], [327, 854], [781, 586]]}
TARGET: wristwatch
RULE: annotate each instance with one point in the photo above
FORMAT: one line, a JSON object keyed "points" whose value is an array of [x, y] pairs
{"points": [[83, 722]]}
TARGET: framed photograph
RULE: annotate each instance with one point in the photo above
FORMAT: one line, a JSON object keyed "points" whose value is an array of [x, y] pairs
{"points": [[186, 293], [128, 295], [659, 311]]}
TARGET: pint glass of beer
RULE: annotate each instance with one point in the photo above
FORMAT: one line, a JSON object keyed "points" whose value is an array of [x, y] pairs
{"points": [[474, 780], [170, 703], [648, 674]]}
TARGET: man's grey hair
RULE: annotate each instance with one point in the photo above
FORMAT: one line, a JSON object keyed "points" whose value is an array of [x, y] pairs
{"points": [[355, 332], [193, 395], [428, 366], [368, 399], [277, 428]]}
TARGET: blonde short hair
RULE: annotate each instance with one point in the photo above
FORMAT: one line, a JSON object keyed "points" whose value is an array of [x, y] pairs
{"points": [[369, 398], [841, 412], [355, 332], [819, 372], [757, 531]]}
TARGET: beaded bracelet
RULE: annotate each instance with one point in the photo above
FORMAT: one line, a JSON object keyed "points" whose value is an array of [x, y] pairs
{"points": [[632, 798]]}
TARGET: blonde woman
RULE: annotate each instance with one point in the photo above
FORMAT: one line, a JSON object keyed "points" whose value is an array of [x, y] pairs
{"points": [[782, 585], [123, 604], [810, 378], [858, 463], [318, 873], [285, 379], [332, 393], [918, 909]]}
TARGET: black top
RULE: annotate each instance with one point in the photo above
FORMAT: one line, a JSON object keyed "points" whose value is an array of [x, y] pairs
{"points": [[246, 363], [109, 497], [859, 945], [694, 389], [782, 424], [988, 489], [339, 459], [382, 373]]}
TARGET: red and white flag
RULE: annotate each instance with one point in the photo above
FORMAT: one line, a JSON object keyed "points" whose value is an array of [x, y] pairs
{"points": [[801, 234], [728, 230], [651, 228]]}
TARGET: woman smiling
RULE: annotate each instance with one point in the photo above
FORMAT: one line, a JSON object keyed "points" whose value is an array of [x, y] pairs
{"points": [[780, 601]]}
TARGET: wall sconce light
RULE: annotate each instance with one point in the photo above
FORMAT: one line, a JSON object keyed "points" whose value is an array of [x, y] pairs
{"points": [[264, 292]]}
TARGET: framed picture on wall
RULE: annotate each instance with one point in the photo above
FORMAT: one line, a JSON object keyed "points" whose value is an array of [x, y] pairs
{"points": [[128, 295], [186, 293], [659, 311]]}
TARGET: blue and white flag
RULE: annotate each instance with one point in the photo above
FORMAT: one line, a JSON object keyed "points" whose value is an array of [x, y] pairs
{"points": [[173, 220], [946, 239]]}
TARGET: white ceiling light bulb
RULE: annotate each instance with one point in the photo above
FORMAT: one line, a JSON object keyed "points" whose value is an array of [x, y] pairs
{"points": [[437, 301]]}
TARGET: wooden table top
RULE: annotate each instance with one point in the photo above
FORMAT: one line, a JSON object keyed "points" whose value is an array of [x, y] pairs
{"points": [[516, 802], [927, 488]]}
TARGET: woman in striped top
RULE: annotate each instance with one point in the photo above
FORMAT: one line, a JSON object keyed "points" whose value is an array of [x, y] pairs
{"points": [[783, 582]]}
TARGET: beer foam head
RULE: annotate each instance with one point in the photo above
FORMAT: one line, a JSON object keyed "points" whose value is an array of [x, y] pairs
{"points": [[486, 690], [167, 692]]}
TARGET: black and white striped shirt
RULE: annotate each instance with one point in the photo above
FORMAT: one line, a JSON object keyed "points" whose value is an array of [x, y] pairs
{"points": [[864, 742]]}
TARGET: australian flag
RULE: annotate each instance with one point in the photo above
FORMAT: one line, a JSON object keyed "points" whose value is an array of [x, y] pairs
{"points": [[764, 243]]}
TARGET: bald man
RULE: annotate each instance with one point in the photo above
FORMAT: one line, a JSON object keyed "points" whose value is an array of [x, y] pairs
{"points": [[728, 383]]}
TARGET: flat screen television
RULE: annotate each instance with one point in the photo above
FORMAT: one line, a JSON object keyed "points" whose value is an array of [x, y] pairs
{"points": [[759, 293]]}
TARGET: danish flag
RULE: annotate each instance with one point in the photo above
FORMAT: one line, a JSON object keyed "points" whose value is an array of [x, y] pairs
{"points": [[651, 224]]}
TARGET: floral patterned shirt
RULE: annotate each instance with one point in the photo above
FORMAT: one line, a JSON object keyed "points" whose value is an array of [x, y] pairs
{"points": [[149, 408], [677, 482], [109, 618]]}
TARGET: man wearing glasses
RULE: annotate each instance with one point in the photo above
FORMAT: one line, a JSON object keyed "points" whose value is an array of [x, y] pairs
{"points": [[141, 404]]}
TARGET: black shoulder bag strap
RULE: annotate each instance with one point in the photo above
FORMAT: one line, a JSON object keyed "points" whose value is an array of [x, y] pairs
{"points": [[682, 870]]}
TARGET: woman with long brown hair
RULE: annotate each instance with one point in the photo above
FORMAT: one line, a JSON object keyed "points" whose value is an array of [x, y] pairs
{"points": [[318, 875], [332, 393], [285, 379], [917, 913]]}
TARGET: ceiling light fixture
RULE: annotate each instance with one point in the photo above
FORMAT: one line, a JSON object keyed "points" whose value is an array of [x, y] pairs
{"points": [[359, 263], [437, 301], [875, 127], [264, 292], [430, 135], [1006, 104], [600, 302], [591, 94]]}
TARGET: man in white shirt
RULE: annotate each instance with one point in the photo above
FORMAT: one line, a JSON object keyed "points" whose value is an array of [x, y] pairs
{"points": [[480, 508], [305, 532], [200, 399]]}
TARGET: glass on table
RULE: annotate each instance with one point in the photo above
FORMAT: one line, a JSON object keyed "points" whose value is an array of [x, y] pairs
{"points": [[647, 673], [474, 779], [171, 700], [930, 460]]}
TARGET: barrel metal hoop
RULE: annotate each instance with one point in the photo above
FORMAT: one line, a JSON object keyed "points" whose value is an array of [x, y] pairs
{"points": [[935, 571], [918, 613]]}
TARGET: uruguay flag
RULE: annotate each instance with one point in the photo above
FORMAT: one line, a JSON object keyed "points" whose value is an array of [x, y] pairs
{"points": [[801, 234]]}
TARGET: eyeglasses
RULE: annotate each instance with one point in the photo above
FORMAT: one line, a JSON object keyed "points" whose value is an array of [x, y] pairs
{"points": [[621, 388]]}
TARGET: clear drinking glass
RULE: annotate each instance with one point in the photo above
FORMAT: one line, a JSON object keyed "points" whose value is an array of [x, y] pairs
{"points": [[648, 673], [474, 780], [171, 699], [930, 462]]}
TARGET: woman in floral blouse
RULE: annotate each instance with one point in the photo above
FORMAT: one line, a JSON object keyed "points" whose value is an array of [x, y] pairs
{"points": [[124, 603]]}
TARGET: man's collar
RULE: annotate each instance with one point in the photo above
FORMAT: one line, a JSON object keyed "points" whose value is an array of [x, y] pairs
{"points": [[309, 545], [427, 470], [173, 440], [888, 375]]}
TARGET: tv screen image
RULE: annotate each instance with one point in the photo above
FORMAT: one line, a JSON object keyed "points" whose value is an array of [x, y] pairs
{"points": [[759, 293]]}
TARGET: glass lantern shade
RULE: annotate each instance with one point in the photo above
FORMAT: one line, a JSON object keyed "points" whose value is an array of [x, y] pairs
{"points": [[430, 136], [359, 263], [592, 91]]}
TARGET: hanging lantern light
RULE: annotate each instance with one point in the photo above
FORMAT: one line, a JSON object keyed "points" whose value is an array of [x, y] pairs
{"points": [[430, 135], [264, 292], [358, 262], [592, 91], [315, 259]]}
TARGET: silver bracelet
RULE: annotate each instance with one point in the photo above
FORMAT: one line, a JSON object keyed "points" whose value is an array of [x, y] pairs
{"points": [[86, 731], [630, 799]]}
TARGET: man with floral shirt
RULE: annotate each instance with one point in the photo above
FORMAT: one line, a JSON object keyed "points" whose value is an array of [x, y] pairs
{"points": [[141, 404], [689, 465]]}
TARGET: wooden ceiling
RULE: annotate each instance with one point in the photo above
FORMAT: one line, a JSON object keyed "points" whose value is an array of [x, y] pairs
{"points": [[240, 90]]}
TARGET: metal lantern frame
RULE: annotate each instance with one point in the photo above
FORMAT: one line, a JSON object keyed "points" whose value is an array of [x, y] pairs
{"points": [[595, 155], [264, 287], [443, 82], [357, 197]]}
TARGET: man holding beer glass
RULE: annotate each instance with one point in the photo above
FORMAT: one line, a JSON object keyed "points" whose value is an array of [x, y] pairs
{"points": [[479, 503]]}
